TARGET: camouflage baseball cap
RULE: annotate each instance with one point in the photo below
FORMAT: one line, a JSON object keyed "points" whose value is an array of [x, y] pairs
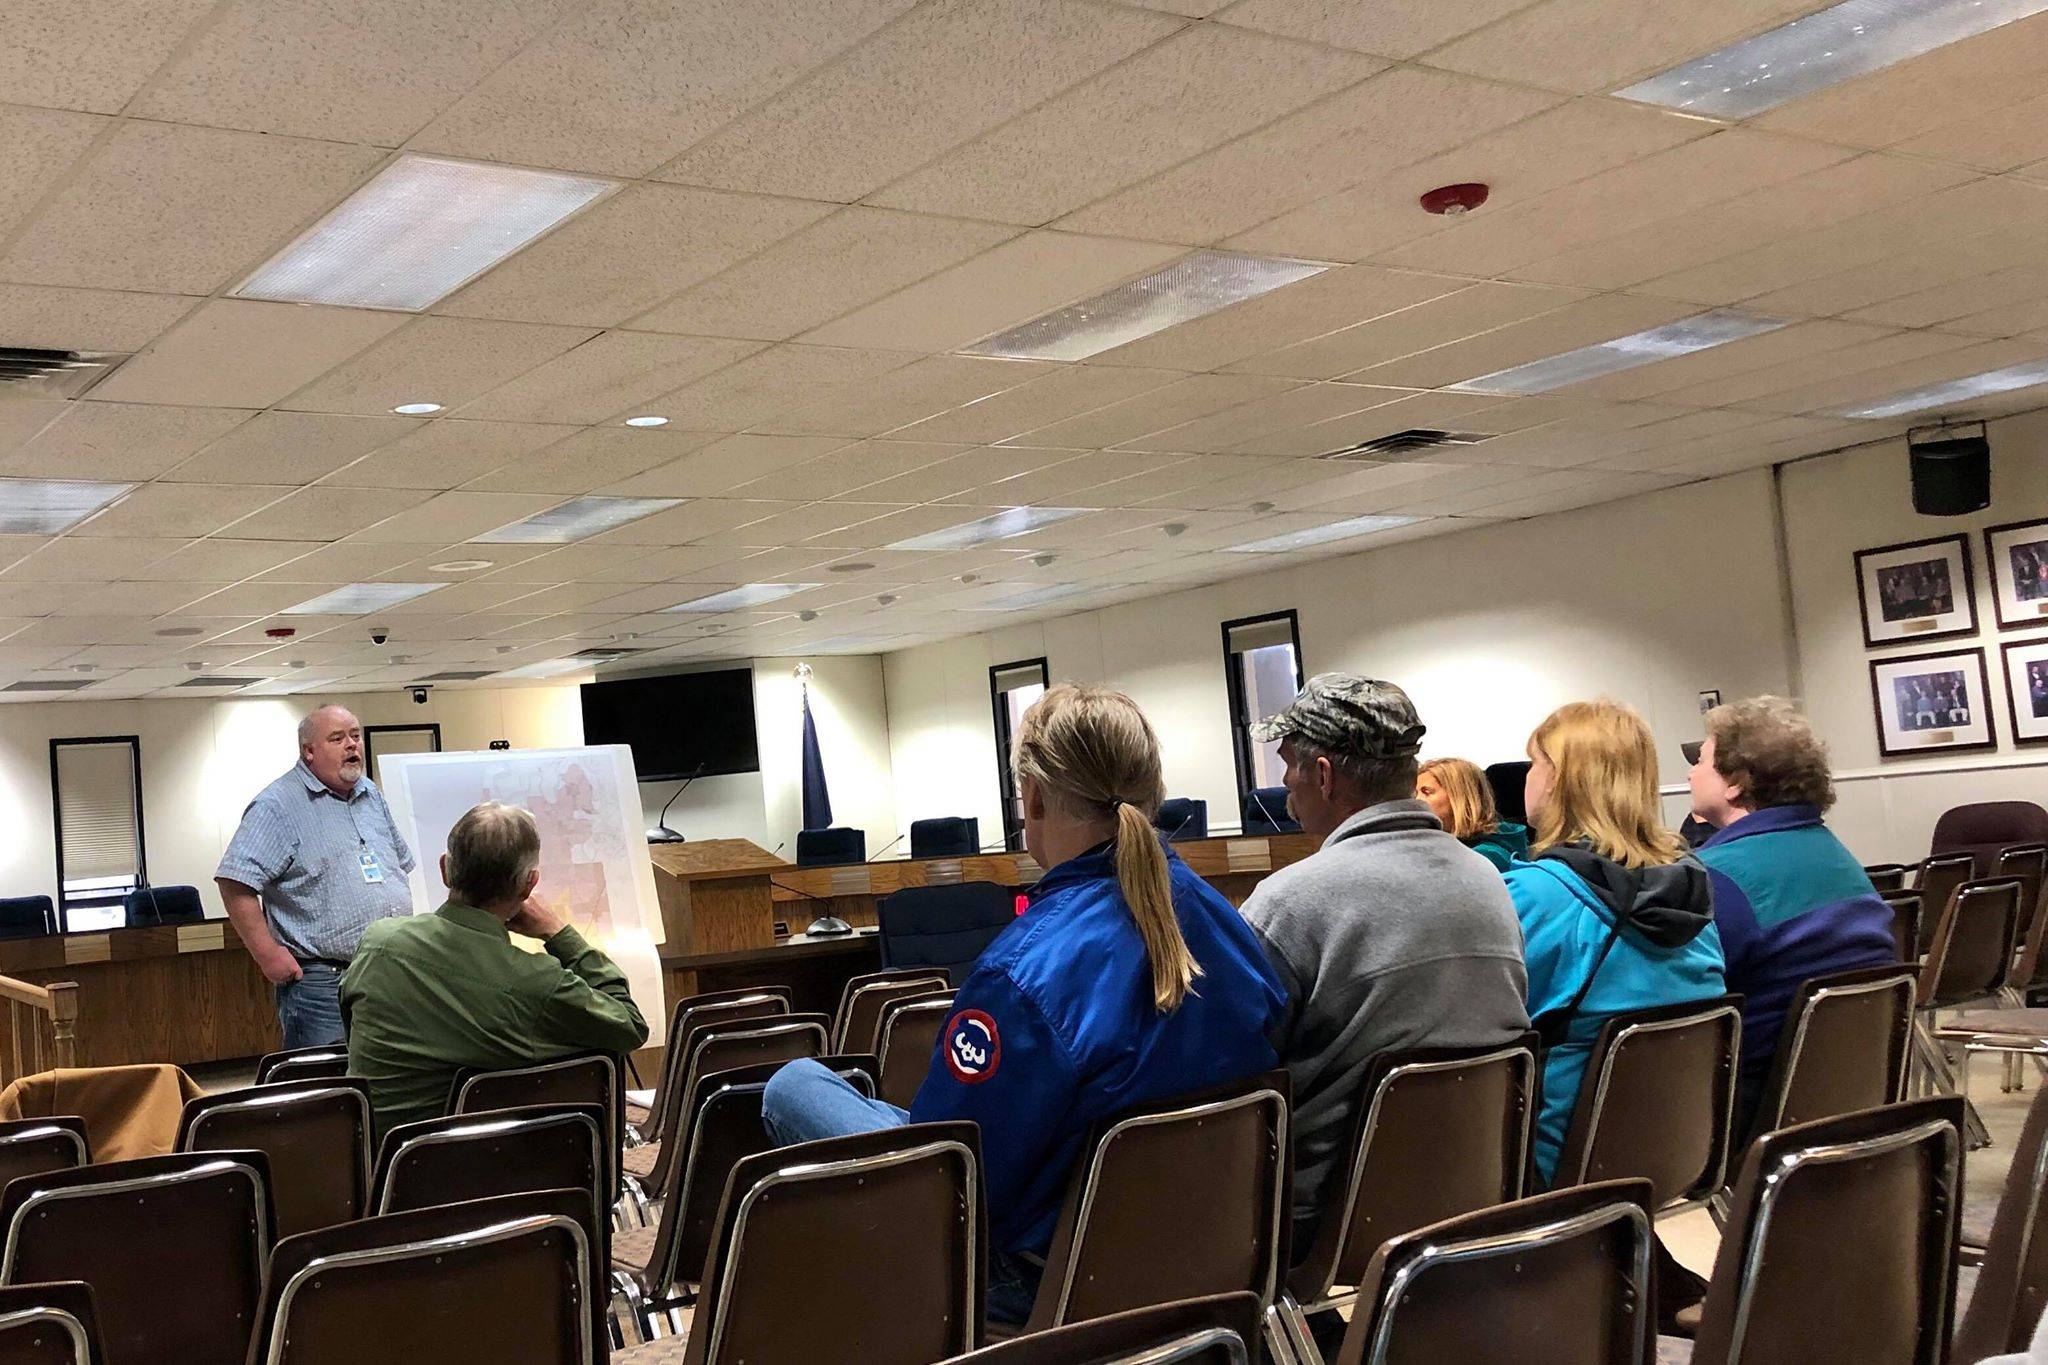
{"points": [[1346, 714]]}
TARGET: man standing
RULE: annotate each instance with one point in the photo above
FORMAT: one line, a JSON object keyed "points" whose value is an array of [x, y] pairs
{"points": [[316, 861]]}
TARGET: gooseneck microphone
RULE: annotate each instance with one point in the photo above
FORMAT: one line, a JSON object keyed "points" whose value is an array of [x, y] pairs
{"points": [[661, 833]]}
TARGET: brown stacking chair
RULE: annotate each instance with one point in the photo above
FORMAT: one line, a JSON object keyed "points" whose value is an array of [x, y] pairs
{"points": [[857, 1027], [906, 1039], [1886, 876], [478, 1156], [2012, 1286], [1844, 1047], [324, 1062], [1842, 1242], [883, 1231], [505, 1279], [1658, 1101], [173, 1247], [596, 1078], [654, 1270], [33, 1146], [316, 1134], [1939, 876], [1222, 1329], [1560, 1279], [1968, 962], [1463, 1115], [49, 1324], [1174, 1200], [691, 1013], [1905, 906]]}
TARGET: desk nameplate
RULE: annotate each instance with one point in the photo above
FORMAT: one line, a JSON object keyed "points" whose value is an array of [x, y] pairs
{"points": [[1248, 855], [202, 938], [88, 948]]}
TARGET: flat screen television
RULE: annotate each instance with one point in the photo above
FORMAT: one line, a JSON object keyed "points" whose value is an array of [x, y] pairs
{"points": [[678, 724]]}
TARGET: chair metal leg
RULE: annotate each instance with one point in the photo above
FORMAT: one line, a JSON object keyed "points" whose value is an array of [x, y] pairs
{"points": [[1946, 1082], [1300, 1339], [626, 1295], [1279, 1344]]}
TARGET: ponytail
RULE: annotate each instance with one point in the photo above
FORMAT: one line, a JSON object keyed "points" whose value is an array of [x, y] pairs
{"points": [[1148, 890]]}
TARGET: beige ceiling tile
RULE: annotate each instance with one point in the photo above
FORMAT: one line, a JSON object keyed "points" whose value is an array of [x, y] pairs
{"points": [[288, 448], [2000, 140], [346, 562], [1589, 45], [87, 319], [449, 361], [925, 388], [773, 381], [116, 599], [885, 531], [671, 72], [179, 509], [1452, 411], [87, 560], [854, 466], [90, 54], [2027, 315], [165, 207], [1604, 317], [951, 477], [1948, 263], [1951, 303], [1840, 389], [75, 630], [564, 564], [552, 601], [424, 563], [1468, 312], [612, 374], [1241, 491], [1200, 88], [948, 71], [820, 523], [461, 598], [1015, 282], [240, 353], [449, 517], [1066, 391], [325, 513], [723, 464], [1354, 136], [445, 454], [1388, 30], [1196, 396], [118, 441], [1372, 488], [367, 71], [689, 523], [218, 561], [22, 418], [1266, 417], [856, 256], [1067, 482], [254, 599], [590, 459], [36, 147], [1788, 345]]}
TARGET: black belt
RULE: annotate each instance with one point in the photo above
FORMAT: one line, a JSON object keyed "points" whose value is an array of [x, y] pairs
{"points": [[333, 962]]}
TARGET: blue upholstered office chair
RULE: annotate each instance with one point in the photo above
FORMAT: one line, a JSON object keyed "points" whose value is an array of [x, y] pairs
{"points": [[1265, 812], [27, 916], [831, 847], [948, 836], [162, 905], [943, 926], [1181, 818], [1508, 781]]}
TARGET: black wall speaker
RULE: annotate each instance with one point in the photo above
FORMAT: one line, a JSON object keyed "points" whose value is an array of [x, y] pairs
{"points": [[1951, 470]]}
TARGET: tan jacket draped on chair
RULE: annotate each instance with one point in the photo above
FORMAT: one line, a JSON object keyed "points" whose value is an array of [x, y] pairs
{"points": [[129, 1111]]}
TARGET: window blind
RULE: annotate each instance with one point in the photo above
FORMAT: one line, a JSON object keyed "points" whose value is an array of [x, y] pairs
{"points": [[96, 802]]}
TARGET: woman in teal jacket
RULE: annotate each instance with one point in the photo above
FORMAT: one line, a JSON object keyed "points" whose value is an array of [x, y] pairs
{"points": [[1457, 792]]}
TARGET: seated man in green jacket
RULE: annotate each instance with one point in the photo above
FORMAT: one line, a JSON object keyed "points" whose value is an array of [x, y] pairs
{"points": [[430, 994]]}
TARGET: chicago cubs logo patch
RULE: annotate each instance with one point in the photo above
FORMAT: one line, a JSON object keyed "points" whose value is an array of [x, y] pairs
{"points": [[974, 1049]]}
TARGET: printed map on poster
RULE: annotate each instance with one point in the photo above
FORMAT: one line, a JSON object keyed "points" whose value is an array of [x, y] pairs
{"points": [[593, 850]]}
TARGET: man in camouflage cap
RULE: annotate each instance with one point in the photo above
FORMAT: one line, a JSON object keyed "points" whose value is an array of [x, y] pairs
{"points": [[1391, 935]]}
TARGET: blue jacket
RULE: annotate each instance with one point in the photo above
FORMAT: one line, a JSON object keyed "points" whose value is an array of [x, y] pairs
{"points": [[1791, 903], [1565, 923], [1056, 1028]]}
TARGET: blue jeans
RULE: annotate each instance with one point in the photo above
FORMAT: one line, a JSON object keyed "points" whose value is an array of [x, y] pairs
{"points": [[309, 1009], [806, 1102]]}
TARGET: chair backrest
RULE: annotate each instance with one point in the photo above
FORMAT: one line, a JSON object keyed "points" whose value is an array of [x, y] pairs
{"points": [[33, 1146], [1886, 876], [691, 1014], [1843, 1232], [147, 905], [1972, 954], [49, 1324], [502, 1279], [857, 1024], [943, 926], [1982, 828], [1174, 1200], [173, 1246], [1510, 782], [2029, 863], [1560, 1279], [1222, 1329], [721, 1047], [1843, 1048], [2012, 1286], [1464, 1115], [478, 1156], [27, 916], [895, 1214], [1658, 1100], [1939, 876], [593, 1078], [946, 836], [831, 847], [1905, 922], [906, 1039], [1182, 818], [302, 1064], [315, 1133], [1265, 812]]}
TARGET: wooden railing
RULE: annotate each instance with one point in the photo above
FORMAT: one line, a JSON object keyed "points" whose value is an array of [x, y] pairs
{"points": [[43, 1024]]}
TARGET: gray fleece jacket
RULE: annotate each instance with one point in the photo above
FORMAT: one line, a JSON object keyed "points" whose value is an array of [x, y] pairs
{"points": [[1392, 935]]}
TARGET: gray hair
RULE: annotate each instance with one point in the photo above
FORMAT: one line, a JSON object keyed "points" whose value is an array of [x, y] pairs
{"points": [[1373, 779], [490, 852], [309, 723]]}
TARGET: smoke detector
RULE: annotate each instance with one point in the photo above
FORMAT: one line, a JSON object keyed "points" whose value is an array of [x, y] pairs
{"points": [[1455, 201]]}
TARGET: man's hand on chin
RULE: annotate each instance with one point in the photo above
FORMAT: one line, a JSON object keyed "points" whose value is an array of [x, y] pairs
{"points": [[537, 919]]}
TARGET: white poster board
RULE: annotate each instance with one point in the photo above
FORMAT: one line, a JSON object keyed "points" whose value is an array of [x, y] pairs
{"points": [[593, 848]]}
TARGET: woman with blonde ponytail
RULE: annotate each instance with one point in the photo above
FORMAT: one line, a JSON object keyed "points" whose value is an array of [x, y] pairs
{"points": [[1127, 979]]}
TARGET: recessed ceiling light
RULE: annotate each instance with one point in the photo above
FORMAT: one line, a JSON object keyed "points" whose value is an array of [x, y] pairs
{"points": [[357, 598], [886, 599], [421, 229], [547, 668], [807, 616], [1193, 286], [1012, 521], [1322, 535], [180, 632], [743, 596], [1175, 528], [81, 668], [461, 566], [649, 421], [416, 409], [1020, 598], [574, 520], [1701, 332], [970, 578], [1822, 49], [43, 507], [1954, 391], [851, 566]]}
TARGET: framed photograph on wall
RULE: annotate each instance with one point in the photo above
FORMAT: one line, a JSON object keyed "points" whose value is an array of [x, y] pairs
{"points": [[1917, 591], [1932, 703], [2026, 689], [2018, 556]]}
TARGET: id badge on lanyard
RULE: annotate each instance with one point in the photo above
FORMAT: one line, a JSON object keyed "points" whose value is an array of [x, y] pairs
{"points": [[373, 871]]}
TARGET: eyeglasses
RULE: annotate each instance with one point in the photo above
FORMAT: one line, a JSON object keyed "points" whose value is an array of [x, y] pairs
{"points": [[1691, 749]]}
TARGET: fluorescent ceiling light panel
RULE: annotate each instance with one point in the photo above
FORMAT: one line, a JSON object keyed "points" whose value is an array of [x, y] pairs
{"points": [[1011, 521], [1701, 332], [43, 507], [744, 596], [548, 668], [1019, 599], [1822, 49], [1193, 286], [421, 229], [1320, 535], [1955, 391], [574, 520], [284, 687], [357, 598]]}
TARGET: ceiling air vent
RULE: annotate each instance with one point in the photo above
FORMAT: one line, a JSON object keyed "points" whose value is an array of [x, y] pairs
{"points": [[1402, 445], [458, 675], [54, 374], [220, 680], [49, 685], [604, 654]]}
